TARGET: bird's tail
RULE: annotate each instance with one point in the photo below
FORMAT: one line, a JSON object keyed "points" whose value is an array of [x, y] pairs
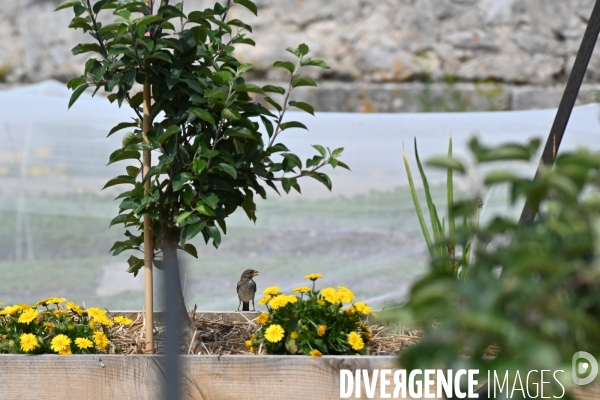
{"points": [[245, 306]]}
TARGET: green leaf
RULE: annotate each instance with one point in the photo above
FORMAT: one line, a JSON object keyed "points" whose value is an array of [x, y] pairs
{"points": [[501, 176], [273, 89], [204, 209], [297, 82], [324, 179], [190, 249], [132, 171], [303, 106], [417, 204], [120, 154], [211, 199], [303, 49], [198, 165], [120, 126], [213, 231], [446, 162], [229, 169], [76, 93], [337, 152], [180, 179], [86, 48], [248, 4], [294, 159], [292, 124], [249, 87], [183, 216], [203, 114], [67, 4], [99, 5], [243, 68], [135, 264], [231, 115], [119, 180], [190, 231], [171, 130], [286, 183], [285, 64], [321, 149], [315, 62]]}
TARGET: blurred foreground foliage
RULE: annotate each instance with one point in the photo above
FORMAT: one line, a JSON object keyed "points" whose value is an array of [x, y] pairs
{"points": [[531, 297]]}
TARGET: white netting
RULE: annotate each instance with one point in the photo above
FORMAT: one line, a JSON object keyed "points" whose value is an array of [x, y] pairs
{"points": [[364, 235]]}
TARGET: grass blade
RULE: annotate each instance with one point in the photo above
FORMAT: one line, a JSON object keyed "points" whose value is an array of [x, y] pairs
{"points": [[417, 205], [450, 189], [438, 233]]}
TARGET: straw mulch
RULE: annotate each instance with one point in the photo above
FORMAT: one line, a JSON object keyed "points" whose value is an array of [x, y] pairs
{"points": [[223, 337]]}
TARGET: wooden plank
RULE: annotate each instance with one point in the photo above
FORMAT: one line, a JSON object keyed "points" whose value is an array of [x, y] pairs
{"points": [[118, 377], [207, 377]]}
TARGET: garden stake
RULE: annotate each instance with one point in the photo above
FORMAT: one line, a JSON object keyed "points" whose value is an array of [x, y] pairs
{"points": [[148, 236], [567, 102]]}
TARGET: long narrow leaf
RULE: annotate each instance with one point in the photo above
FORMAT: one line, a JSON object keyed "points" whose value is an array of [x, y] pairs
{"points": [[417, 205], [435, 221], [450, 189]]}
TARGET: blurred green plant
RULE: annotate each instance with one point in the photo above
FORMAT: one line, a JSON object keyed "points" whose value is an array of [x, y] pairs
{"points": [[444, 245], [214, 153], [531, 299]]}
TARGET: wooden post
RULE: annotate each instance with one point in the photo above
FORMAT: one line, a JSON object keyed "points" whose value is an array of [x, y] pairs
{"points": [[567, 101], [148, 236]]}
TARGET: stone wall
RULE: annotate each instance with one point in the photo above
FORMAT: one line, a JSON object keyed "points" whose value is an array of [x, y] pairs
{"points": [[386, 55]]}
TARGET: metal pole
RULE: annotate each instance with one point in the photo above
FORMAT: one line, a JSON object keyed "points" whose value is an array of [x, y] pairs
{"points": [[567, 102], [148, 235]]}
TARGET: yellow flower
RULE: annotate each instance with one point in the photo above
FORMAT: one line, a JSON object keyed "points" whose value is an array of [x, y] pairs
{"points": [[350, 310], [61, 344], [271, 291], [346, 295], [356, 341], [101, 340], [83, 343], [65, 352], [70, 327], [50, 300], [274, 333], [10, 310], [361, 307], [264, 300], [96, 313], [28, 342], [331, 295], [321, 330], [74, 307], [294, 335], [28, 316], [320, 302], [313, 277], [49, 326], [249, 346], [55, 300], [262, 318], [282, 300], [59, 313], [366, 332], [106, 321], [123, 320], [315, 354], [301, 289]]}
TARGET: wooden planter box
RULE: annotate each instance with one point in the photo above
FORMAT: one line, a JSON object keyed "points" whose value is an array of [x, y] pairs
{"points": [[239, 377]]}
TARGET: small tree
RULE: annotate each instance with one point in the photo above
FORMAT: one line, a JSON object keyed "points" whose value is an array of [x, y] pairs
{"points": [[214, 156]]}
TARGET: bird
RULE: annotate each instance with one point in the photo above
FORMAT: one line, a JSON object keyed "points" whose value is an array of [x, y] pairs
{"points": [[246, 289]]}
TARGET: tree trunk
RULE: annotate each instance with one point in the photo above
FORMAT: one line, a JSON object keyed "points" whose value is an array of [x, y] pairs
{"points": [[173, 290]]}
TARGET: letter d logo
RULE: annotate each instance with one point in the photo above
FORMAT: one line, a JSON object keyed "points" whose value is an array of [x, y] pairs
{"points": [[580, 368]]}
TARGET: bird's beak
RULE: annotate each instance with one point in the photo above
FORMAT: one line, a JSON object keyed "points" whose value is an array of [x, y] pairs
{"points": [[255, 273]]}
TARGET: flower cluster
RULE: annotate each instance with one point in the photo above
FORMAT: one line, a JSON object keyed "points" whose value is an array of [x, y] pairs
{"points": [[314, 324], [49, 326]]}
